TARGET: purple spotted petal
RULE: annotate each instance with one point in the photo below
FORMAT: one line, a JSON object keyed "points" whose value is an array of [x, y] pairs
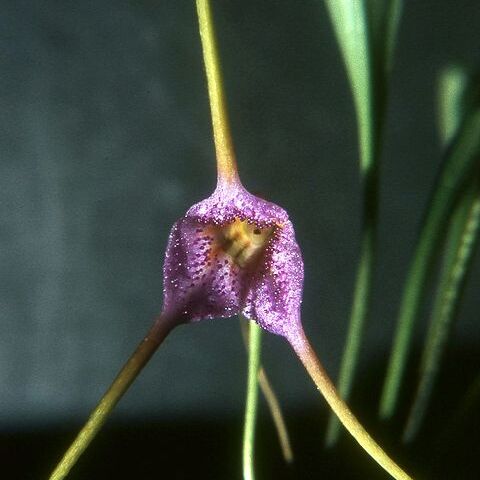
{"points": [[235, 253]]}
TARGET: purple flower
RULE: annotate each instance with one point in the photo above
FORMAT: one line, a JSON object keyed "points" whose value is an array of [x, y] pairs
{"points": [[235, 253]]}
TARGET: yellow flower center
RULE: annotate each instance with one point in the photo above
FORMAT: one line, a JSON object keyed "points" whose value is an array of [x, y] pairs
{"points": [[243, 242]]}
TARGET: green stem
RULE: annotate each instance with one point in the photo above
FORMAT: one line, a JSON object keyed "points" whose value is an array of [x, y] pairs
{"points": [[252, 400], [458, 165], [147, 347], [308, 357], [351, 353], [226, 162], [271, 399]]}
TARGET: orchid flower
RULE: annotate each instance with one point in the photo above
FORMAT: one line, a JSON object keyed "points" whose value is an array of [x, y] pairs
{"points": [[235, 253], [232, 253]]}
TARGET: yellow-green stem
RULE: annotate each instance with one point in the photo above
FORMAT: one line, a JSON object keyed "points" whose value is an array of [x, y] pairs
{"points": [[226, 163], [308, 357], [161, 328], [277, 415]]}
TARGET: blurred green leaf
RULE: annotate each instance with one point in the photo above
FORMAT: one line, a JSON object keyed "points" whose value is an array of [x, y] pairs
{"points": [[458, 166], [366, 32], [384, 18], [350, 22], [450, 100], [462, 237]]}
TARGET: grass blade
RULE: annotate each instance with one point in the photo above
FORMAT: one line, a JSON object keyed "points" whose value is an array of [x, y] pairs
{"points": [[366, 32]]}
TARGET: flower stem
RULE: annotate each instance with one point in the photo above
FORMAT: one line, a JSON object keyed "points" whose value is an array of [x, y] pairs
{"points": [[308, 357], [358, 314], [226, 163], [252, 400], [147, 347], [271, 399], [277, 415]]}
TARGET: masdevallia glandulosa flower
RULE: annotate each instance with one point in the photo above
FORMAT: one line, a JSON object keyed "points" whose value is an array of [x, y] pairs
{"points": [[231, 253], [235, 253]]}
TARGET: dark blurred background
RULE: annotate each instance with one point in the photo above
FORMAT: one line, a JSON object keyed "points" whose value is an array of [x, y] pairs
{"points": [[105, 141]]}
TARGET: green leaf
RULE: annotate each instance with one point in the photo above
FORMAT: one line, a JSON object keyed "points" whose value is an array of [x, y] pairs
{"points": [[451, 105], [350, 22], [384, 22], [462, 237], [458, 166], [366, 32]]}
